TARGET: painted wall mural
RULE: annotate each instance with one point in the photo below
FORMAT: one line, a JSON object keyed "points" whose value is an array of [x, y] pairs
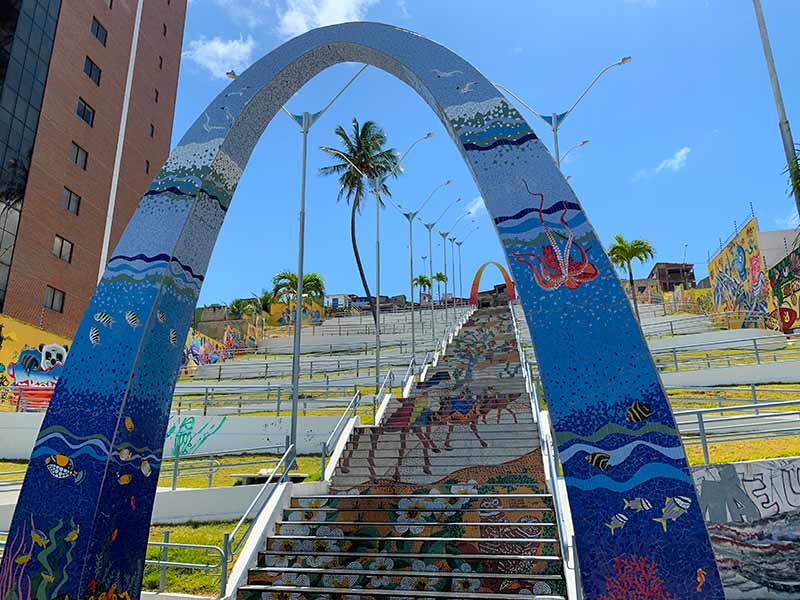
{"points": [[739, 279], [753, 511], [784, 278], [603, 391], [473, 294]]}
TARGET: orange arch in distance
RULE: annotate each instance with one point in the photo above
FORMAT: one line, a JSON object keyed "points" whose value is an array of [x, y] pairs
{"points": [[473, 295]]}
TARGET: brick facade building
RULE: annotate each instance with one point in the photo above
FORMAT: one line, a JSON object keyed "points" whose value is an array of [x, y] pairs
{"points": [[105, 76]]}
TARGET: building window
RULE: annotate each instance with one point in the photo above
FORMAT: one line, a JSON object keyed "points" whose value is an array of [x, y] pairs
{"points": [[70, 201], [147, 166], [62, 248], [152, 130], [79, 156], [164, 29], [54, 299], [92, 70], [99, 31], [156, 96], [85, 112], [160, 62], [110, 3]]}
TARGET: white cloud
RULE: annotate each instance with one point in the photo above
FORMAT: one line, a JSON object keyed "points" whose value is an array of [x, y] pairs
{"points": [[790, 221], [251, 13], [476, 207], [403, 8], [219, 56], [674, 163], [298, 16]]}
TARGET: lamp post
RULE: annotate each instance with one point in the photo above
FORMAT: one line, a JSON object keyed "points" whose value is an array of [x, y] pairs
{"points": [[555, 120], [453, 270], [783, 121], [578, 145], [464, 239], [429, 227], [377, 186], [410, 216]]}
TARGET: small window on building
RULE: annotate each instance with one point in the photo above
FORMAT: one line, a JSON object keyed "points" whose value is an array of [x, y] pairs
{"points": [[70, 201], [156, 95], [54, 299], [152, 130], [164, 29], [92, 70], [62, 248], [147, 166], [160, 62], [79, 156], [99, 31], [85, 112]]}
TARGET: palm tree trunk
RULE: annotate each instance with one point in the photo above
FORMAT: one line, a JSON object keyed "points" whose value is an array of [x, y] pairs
{"points": [[359, 265], [633, 293]]}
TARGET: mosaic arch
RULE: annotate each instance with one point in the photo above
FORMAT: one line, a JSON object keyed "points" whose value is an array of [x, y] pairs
{"points": [[81, 524], [473, 294]]}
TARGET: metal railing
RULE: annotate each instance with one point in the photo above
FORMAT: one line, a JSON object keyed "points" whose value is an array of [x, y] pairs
{"points": [[349, 413], [163, 562], [208, 463]]}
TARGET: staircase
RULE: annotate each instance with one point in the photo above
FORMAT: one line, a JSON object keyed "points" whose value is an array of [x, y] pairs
{"points": [[446, 498]]}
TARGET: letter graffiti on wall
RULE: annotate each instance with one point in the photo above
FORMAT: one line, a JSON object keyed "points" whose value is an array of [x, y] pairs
{"points": [[784, 278]]}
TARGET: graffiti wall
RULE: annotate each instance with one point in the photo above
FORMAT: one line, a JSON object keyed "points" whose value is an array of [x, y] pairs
{"points": [[738, 278], [201, 350], [753, 515], [31, 360], [692, 300], [784, 278], [283, 314]]}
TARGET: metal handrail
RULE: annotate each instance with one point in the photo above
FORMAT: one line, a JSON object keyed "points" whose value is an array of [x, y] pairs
{"points": [[333, 438], [163, 563], [231, 546]]}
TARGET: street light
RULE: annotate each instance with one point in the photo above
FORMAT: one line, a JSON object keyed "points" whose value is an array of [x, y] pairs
{"points": [[464, 239], [377, 185], [410, 216], [444, 235], [429, 227], [555, 120], [578, 145]]}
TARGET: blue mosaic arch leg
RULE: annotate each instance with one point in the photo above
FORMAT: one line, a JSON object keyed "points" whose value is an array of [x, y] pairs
{"points": [[81, 524]]}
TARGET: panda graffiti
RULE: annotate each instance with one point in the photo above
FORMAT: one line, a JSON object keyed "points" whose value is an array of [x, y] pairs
{"points": [[53, 355]]}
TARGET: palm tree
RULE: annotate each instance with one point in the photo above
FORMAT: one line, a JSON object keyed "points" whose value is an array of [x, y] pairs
{"points": [[265, 300], [285, 288], [439, 278], [241, 307], [622, 253], [423, 282], [363, 152]]}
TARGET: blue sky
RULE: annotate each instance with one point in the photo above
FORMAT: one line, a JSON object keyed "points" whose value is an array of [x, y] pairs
{"points": [[682, 139]]}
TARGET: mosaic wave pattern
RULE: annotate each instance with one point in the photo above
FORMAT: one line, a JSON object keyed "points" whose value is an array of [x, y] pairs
{"points": [[446, 497], [117, 383]]}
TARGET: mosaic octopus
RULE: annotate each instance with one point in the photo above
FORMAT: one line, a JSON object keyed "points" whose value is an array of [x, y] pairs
{"points": [[557, 267]]}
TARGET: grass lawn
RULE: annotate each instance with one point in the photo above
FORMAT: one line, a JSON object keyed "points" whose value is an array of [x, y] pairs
{"points": [[746, 450], [189, 581]]}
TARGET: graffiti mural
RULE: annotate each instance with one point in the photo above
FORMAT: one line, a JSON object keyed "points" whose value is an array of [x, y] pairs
{"points": [[473, 294], [753, 511], [784, 278], [201, 350], [739, 280], [602, 388]]}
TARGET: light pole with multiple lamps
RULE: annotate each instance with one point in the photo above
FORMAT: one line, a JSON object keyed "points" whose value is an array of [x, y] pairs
{"points": [[429, 227], [555, 120]]}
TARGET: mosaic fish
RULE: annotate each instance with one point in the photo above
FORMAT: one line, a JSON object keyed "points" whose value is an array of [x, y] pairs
{"points": [[132, 319], [674, 508], [125, 454], [94, 336], [639, 411], [146, 468], [162, 318], [124, 479], [73, 535], [701, 580], [618, 521], [129, 424], [638, 504], [599, 460], [133, 502], [173, 337], [104, 319], [61, 466], [21, 560], [111, 539], [39, 538], [48, 577]]}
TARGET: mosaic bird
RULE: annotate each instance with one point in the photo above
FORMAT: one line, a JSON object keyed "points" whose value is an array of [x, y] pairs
{"points": [[104, 319], [639, 411]]}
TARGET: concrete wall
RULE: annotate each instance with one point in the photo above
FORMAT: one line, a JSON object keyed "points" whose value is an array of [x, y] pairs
{"points": [[193, 434], [753, 515]]}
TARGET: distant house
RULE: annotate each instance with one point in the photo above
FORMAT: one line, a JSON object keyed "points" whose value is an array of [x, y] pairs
{"points": [[668, 275], [338, 301]]}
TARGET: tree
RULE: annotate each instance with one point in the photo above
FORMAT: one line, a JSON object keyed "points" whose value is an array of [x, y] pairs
{"points": [[423, 282], [622, 253], [285, 286], [265, 300], [363, 152], [241, 307], [792, 171], [439, 278]]}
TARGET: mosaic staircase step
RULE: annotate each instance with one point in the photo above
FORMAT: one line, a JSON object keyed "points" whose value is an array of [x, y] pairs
{"points": [[390, 452], [438, 513], [443, 501], [412, 457], [317, 557], [410, 528], [261, 592]]}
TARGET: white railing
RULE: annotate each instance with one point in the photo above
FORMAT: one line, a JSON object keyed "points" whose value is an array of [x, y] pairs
{"points": [[349, 413]]}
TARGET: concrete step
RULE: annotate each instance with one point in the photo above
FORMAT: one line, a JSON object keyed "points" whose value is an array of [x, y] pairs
{"points": [[433, 501]]}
